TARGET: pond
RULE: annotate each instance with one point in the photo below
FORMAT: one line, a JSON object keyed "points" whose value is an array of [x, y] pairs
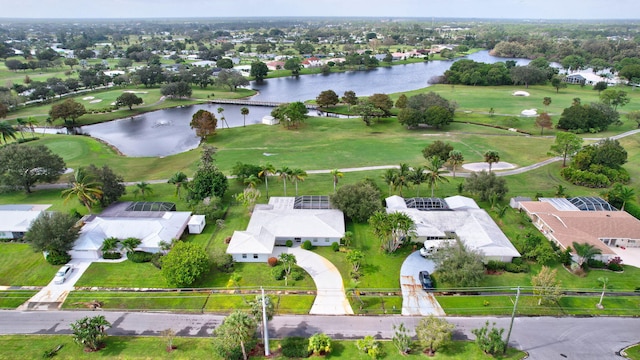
{"points": [[167, 132]]}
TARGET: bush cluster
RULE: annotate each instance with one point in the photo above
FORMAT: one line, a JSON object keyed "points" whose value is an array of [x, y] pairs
{"points": [[272, 261], [278, 273], [513, 267], [307, 245], [585, 178], [139, 256], [58, 257], [111, 255], [295, 347], [615, 264], [156, 260], [335, 246], [289, 243]]}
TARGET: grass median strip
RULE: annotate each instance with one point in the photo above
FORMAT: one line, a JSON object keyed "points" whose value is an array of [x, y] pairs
{"points": [[11, 299]]}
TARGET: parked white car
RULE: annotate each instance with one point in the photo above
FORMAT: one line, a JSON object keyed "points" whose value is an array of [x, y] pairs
{"points": [[428, 250], [63, 274]]}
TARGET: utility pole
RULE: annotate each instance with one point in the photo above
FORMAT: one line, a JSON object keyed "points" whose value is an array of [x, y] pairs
{"points": [[513, 315], [264, 324]]}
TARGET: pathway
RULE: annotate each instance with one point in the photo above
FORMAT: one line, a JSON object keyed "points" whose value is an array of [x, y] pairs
{"points": [[331, 298]]}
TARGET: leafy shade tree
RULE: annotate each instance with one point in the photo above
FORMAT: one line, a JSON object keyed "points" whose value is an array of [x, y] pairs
{"points": [[319, 344], [528, 75], [491, 157], [631, 115], [489, 340], [439, 149], [231, 79], [185, 264], [7, 132], [486, 185], [129, 100], [85, 188], [205, 123], [585, 253], [401, 103], [208, 181], [235, 332], [382, 102], [455, 159], [266, 170], [546, 286], [357, 201], [225, 63], [543, 121], [599, 86], [433, 333], [558, 83], [112, 184], [23, 166], [290, 115], [90, 332], [336, 174], [179, 179], [566, 145], [293, 65], [458, 265], [434, 173], [349, 97], [53, 232], [327, 98], [365, 109], [614, 98], [244, 111], [259, 70], [546, 101], [69, 111]]}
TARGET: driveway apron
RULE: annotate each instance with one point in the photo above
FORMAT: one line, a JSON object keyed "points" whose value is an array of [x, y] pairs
{"points": [[331, 298], [416, 301]]}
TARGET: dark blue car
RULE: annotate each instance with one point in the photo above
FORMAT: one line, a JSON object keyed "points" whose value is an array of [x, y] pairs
{"points": [[425, 280]]}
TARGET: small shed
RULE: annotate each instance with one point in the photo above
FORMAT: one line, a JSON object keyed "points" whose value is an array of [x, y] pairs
{"points": [[270, 120], [197, 224]]}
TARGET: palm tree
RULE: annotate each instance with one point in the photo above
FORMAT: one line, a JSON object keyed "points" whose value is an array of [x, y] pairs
{"points": [[389, 177], [31, 123], [626, 194], [109, 244], [434, 176], [84, 188], [252, 181], [402, 178], [222, 118], [130, 244], [244, 111], [585, 252], [178, 179], [22, 123], [284, 174], [337, 174], [491, 157], [298, 175], [7, 132], [455, 158], [143, 188], [418, 177], [266, 170]]}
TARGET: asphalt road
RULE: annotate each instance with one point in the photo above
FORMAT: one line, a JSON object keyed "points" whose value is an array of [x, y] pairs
{"points": [[544, 338]]}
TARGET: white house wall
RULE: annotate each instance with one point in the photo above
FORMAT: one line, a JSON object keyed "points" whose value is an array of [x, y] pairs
{"points": [[249, 258]]}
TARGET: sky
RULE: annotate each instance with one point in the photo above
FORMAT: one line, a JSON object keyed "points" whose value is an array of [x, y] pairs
{"points": [[508, 9]]}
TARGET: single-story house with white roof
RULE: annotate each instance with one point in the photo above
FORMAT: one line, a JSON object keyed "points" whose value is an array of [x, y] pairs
{"points": [[286, 218], [121, 220], [15, 220], [455, 217]]}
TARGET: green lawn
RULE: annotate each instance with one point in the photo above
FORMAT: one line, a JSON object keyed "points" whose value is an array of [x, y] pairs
{"points": [[11, 299], [633, 352], [141, 347], [122, 274], [21, 266], [158, 301]]}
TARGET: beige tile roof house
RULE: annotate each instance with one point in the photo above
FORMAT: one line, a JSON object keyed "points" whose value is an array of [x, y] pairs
{"points": [[563, 223]]}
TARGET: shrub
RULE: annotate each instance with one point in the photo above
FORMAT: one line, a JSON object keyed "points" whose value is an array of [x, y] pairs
{"points": [[513, 268], [58, 257], [297, 274], [596, 264], [319, 344], [335, 246], [289, 243], [615, 264], [307, 245], [156, 260], [278, 272], [222, 260], [111, 255], [369, 346], [493, 265], [139, 256], [272, 261], [295, 347]]}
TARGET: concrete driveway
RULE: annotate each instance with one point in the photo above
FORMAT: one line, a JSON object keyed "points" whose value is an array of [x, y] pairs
{"points": [[52, 296], [331, 298], [629, 256], [416, 301]]}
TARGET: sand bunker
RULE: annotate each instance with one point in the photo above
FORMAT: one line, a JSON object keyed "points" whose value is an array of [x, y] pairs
{"points": [[479, 166], [95, 101], [136, 92], [88, 98], [520, 93], [529, 112]]}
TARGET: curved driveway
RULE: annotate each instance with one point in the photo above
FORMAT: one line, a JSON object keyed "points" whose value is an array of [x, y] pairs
{"points": [[331, 298], [416, 301]]}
